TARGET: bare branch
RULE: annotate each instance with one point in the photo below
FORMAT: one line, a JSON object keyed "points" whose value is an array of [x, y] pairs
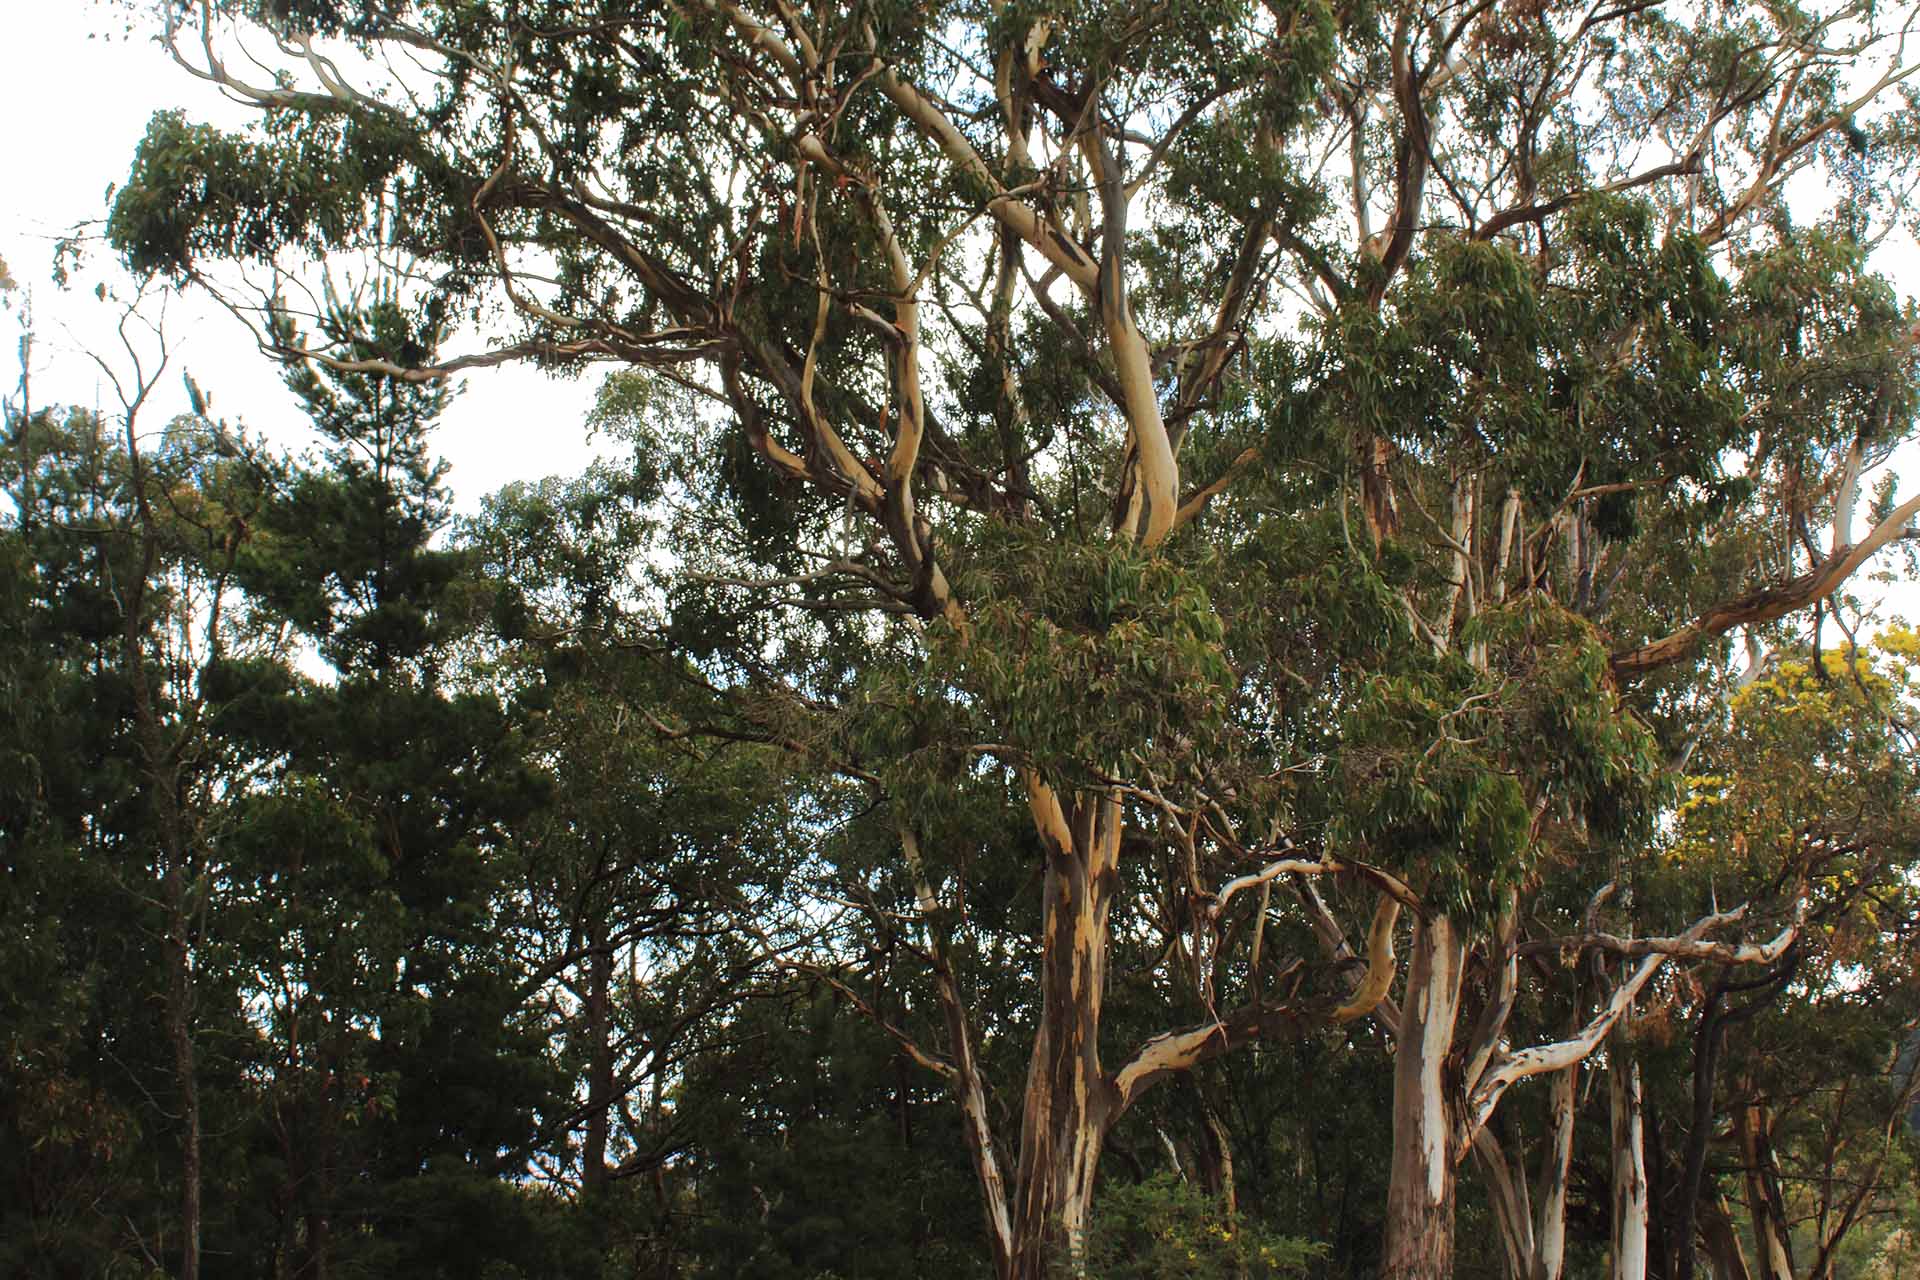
{"points": [[1768, 603], [1510, 1068]]}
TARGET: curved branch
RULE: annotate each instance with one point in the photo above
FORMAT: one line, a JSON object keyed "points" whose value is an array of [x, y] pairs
{"points": [[1768, 603], [1176, 1051], [1190, 509], [1380, 963], [1681, 948], [1510, 1069]]}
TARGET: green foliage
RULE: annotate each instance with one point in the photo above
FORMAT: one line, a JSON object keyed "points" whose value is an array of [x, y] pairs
{"points": [[193, 192], [1449, 768], [824, 1155], [1433, 479], [1165, 1227], [1105, 650]]}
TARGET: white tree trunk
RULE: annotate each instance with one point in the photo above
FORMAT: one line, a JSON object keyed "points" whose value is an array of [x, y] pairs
{"points": [[1419, 1244], [1551, 1231], [1629, 1164]]}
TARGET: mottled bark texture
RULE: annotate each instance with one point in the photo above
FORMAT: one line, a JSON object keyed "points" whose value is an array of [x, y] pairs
{"points": [[1420, 1189]]}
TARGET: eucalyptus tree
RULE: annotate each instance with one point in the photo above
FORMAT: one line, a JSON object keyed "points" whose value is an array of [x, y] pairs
{"points": [[1800, 790], [649, 851], [1787, 1098], [1263, 444]]}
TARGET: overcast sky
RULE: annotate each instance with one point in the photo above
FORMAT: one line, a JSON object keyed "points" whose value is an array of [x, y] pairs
{"points": [[76, 92]]}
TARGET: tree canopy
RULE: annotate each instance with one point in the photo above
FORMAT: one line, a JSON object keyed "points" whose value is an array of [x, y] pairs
{"points": [[1140, 516]]}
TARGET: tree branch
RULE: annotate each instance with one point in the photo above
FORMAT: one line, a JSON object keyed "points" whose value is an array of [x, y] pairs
{"points": [[1509, 1069], [1767, 603]]}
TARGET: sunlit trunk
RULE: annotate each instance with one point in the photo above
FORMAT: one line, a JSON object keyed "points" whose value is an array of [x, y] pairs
{"points": [[1533, 1236], [1629, 1164], [1069, 1101], [1419, 1226], [1550, 1233]]}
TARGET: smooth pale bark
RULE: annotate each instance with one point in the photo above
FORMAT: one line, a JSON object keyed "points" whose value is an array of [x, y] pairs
{"points": [[1377, 506], [1629, 1164], [1378, 979], [1506, 1069], [1508, 1194], [1420, 1189], [1533, 1236], [1490, 1027], [1550, 1232], [1157, 471]]}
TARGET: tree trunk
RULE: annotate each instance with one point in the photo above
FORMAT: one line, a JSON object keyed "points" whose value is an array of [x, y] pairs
{"points": [[1629, 1164], [1506, 1191], [1219, 1144], [593, 1170], [179, 1018], [1419, 1226], [1069, 1100], [1550, 1234], [1722, 1240], [968, 1086], [1764, 1204], [1708, 1039], [1534, 1239]]}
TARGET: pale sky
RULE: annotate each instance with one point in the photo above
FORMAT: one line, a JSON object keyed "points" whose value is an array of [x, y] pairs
{"points": [[75, 96]]}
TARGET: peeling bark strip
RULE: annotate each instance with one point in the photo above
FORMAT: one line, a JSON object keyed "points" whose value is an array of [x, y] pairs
{"points": [[1069, 1101], [1419, 1225]]}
